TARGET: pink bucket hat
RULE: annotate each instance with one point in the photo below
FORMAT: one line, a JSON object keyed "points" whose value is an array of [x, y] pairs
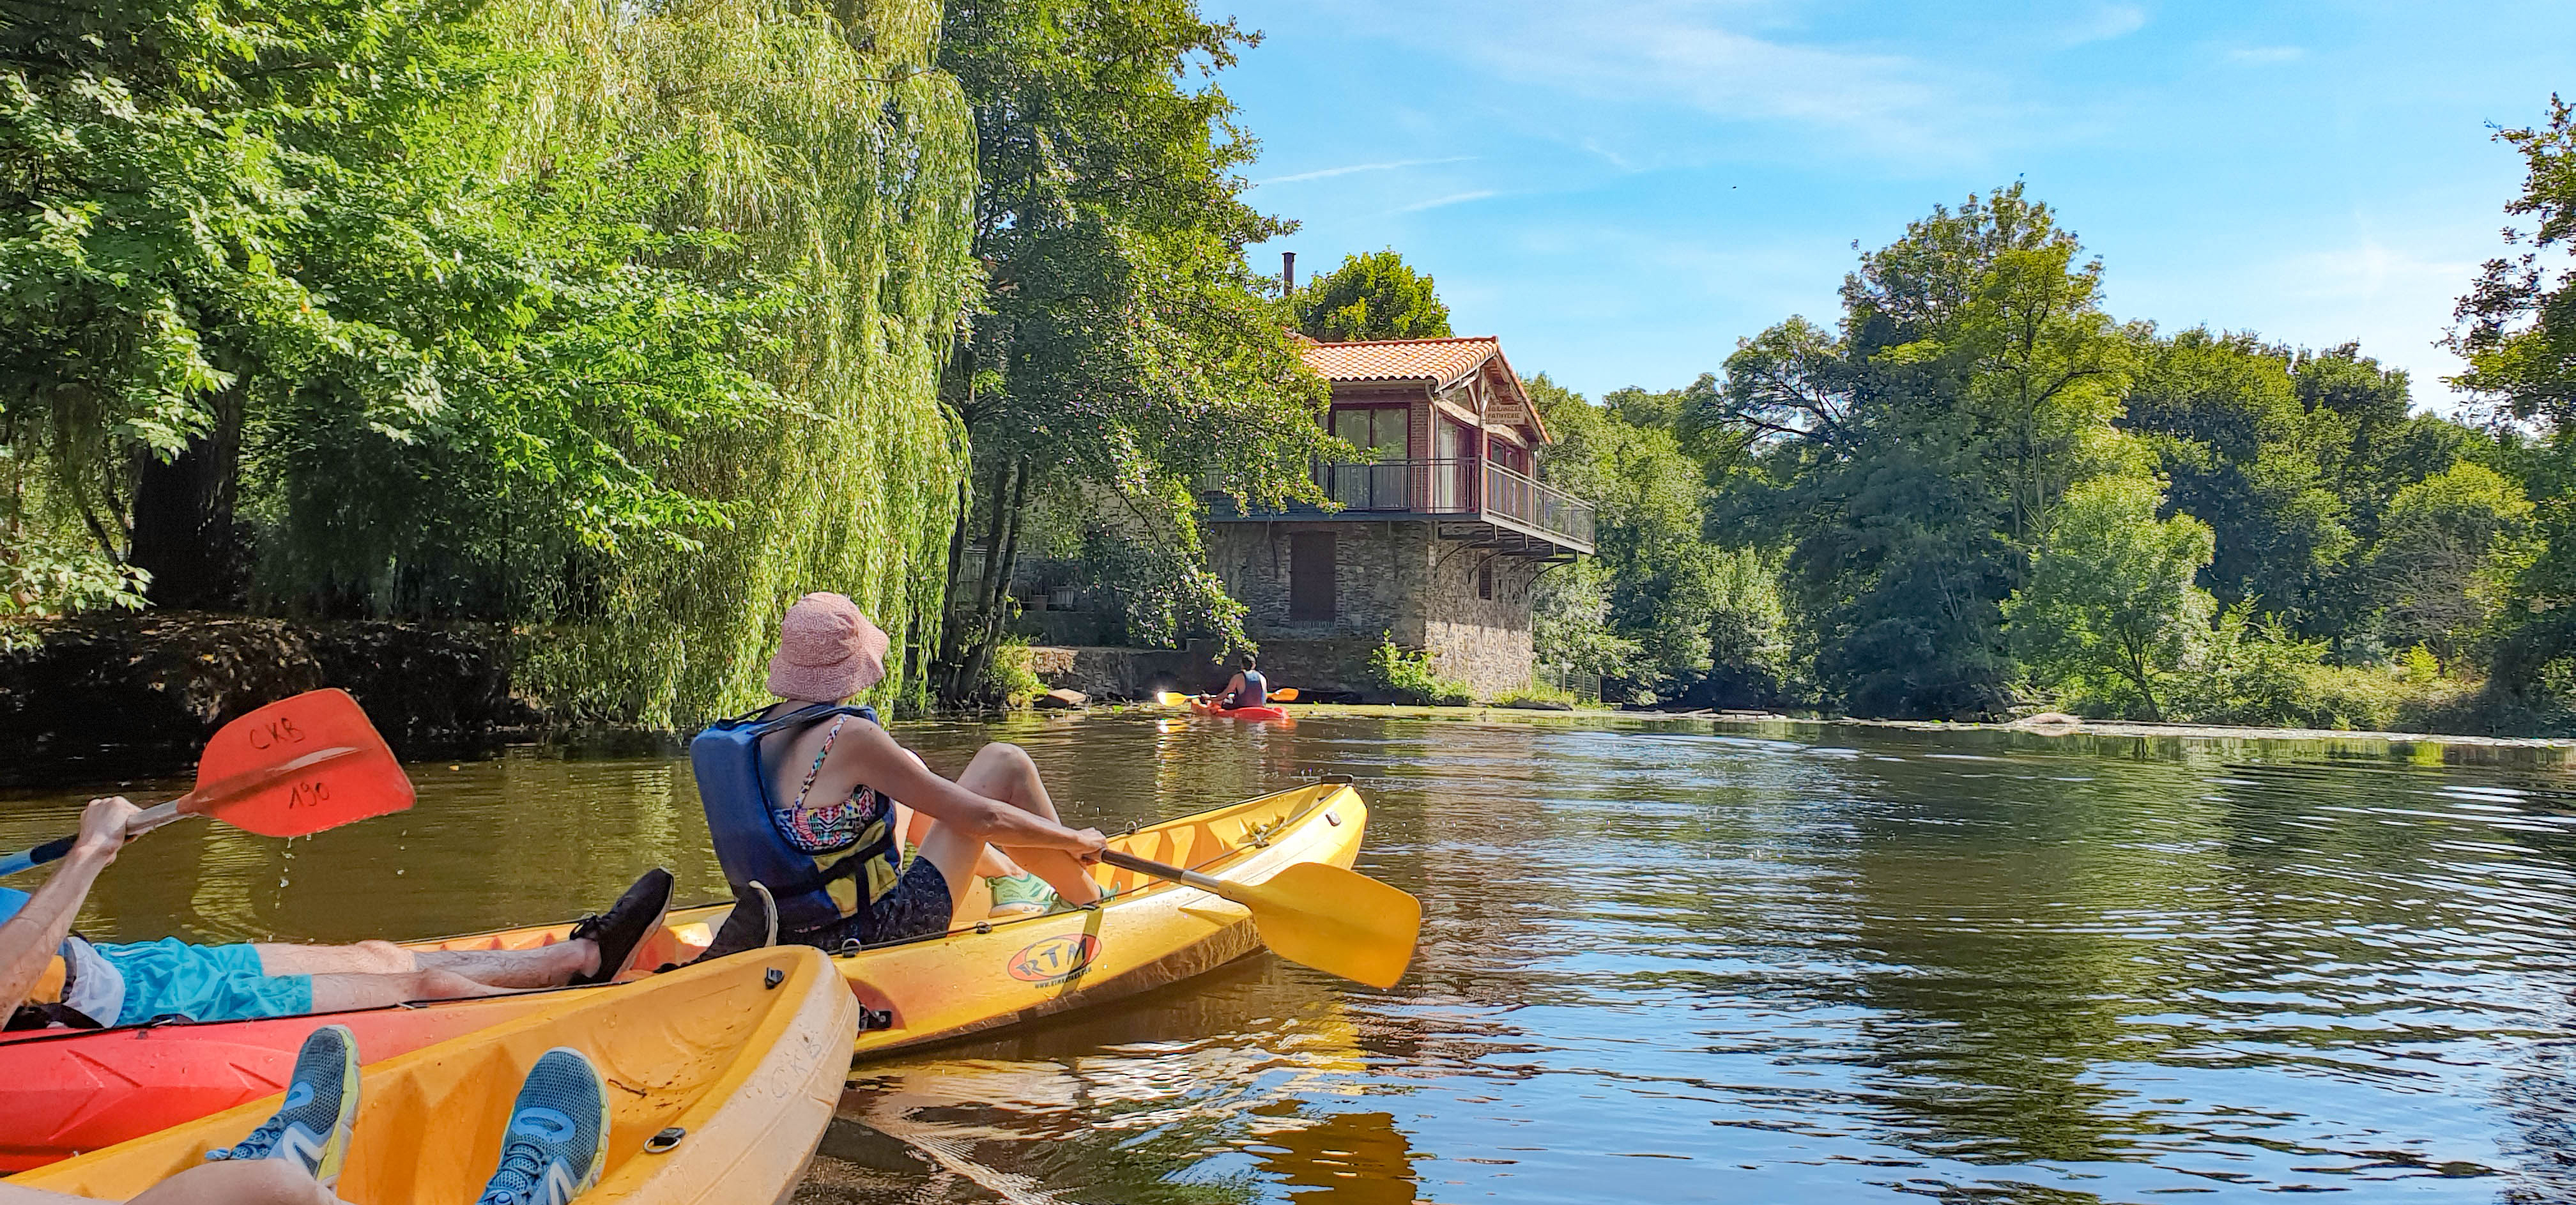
{"points": [[827, 651]]}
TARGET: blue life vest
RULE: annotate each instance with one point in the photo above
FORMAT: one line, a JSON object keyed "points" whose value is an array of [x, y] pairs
{"points": [[1255, 692], [11, 902], [734, 788]]}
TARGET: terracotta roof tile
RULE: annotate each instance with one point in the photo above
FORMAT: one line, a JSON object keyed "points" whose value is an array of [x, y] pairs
{"points": [[1440, 361]]}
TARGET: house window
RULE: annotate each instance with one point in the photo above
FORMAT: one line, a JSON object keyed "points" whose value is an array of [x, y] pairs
{"points": [[1386, 431], [1485, 578], [1311, 557]]}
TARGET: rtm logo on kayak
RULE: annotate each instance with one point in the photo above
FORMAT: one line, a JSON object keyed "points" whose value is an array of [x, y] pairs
{"points": [[1055, 960]]}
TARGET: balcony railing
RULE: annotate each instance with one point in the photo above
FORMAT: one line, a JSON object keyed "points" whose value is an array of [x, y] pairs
{"points": [[1465, 488]]}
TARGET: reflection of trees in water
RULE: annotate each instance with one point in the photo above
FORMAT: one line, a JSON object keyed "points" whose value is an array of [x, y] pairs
{"points": [[2006, 925], [1146, 1101]]}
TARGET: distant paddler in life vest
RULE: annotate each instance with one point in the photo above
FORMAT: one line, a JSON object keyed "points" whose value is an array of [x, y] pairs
{"points": [[812, 805], [1247, 688]]}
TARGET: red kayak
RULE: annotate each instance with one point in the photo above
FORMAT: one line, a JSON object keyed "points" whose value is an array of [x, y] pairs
{"points": [[1256, 714], [63, 1091], [76, 1090]]}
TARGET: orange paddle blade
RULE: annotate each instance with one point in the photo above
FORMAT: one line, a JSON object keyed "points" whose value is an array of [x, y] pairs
{"points": [[260, 772]]}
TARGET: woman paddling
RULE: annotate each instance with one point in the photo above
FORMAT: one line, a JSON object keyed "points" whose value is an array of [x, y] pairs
{"points": [[809, 801]]}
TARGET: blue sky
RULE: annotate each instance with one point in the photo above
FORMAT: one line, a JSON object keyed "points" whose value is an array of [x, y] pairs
{"points": [[1622, 190]]}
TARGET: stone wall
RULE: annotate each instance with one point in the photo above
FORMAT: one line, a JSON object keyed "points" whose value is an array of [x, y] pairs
{"points": [[1483, 642], [1391, 580], [1380, 577]]}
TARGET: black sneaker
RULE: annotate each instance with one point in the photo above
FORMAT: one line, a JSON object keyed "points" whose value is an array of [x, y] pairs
{"points": [[752, 925], [621, 930]]}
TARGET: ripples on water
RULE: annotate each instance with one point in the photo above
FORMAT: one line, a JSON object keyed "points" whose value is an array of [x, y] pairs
{"points": [[1660, 963]]}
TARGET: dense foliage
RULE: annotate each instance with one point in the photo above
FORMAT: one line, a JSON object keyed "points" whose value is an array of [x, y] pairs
{"points": [[1122, 354], [1373, 296], [616, 320], [1979, 492]]}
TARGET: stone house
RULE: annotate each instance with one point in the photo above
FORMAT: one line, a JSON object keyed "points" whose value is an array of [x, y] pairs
{"points": [[1436, 540]]}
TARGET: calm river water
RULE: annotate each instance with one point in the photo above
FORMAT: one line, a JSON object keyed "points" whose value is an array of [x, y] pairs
{"points": [[1662, 962]]}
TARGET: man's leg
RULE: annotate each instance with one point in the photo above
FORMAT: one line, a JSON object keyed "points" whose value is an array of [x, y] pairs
{"points": [[544, 966], [333, 993], [1004, 772]]}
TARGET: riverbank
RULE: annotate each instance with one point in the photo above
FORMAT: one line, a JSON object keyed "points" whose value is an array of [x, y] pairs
{"points": [[2039, 730]]}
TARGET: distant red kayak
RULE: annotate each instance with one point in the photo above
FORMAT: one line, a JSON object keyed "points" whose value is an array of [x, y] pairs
{"points": [[1255, 714]]}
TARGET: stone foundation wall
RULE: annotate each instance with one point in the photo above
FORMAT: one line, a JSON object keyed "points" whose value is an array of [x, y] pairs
{"points": [[1380, 576]]}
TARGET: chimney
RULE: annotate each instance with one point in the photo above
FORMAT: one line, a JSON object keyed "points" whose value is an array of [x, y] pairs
{"points": [[1288, 271]]}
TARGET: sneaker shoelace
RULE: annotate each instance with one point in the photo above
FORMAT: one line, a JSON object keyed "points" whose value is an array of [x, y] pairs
{"points": [[261, 1142], [516, 1181]]}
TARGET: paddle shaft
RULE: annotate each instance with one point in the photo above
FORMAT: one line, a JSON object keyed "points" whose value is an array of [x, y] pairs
{"points": [[189, 804], [1161, 870]]}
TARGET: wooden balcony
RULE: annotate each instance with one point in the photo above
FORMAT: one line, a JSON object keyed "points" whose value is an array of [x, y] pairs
{"points": [[1473, 500]]}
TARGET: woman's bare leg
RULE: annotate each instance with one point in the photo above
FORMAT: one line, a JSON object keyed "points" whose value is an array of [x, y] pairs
{"points": [[1004, 772], [991, 864], [544, 966]]}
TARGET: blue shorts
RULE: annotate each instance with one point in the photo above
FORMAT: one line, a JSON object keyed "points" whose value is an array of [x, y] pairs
{"points": [[170, 978]]}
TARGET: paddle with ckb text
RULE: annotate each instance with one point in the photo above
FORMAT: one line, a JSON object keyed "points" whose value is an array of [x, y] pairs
{"points": [[293, 767]]}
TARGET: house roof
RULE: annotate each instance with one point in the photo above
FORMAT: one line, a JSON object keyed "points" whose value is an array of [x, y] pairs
{"points": [[1439, 363]]}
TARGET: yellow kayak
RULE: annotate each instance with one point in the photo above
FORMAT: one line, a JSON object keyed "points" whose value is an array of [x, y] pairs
{"points": [[744, 1057], [984, 973]]}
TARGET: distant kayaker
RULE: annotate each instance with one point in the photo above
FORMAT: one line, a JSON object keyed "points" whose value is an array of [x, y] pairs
{"points": [[49, 975], [1247, 688], [810, 801]]}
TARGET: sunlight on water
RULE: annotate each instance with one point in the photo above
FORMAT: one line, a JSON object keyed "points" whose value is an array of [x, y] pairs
{"points": [[1661, 963]]}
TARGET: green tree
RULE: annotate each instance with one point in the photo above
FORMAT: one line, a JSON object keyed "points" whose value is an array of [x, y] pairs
{"points": [[1121, 352], [2110, 610], [2224, 416], [1677, 616], [618, 320], [2449, 548], [2517, 330], [1909, 460], [1373, 296]]}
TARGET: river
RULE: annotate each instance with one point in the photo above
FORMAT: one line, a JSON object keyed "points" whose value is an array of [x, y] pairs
{"points": [[1660, 962]]}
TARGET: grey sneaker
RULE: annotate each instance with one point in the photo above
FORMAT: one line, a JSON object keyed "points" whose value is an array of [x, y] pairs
{"points": [[557, 1143], [312, 1127]]}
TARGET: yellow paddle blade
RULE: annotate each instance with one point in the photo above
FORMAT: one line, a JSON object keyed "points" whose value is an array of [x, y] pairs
{"points": [[1171, 698], [1337, 921]]}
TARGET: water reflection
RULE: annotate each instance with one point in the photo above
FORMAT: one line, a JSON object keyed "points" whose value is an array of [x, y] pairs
{"points": [[1662, 962]]}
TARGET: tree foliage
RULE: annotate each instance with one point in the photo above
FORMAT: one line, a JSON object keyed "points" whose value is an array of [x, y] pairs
{"points": [[2110, 609], [1372, 296], [621, 320], [1121, 351]]}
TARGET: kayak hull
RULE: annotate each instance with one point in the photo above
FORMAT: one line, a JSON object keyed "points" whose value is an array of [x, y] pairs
{"points": [[1263, 714], [746, 1055], [68, 1091]]}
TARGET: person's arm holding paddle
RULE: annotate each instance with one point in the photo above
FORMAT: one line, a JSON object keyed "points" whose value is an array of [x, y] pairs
{"points": [[31, 938]]}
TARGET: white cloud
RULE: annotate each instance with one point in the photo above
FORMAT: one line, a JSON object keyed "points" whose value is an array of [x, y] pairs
{"points": [[1329, 172], [1437, 202], [1702, 56]]}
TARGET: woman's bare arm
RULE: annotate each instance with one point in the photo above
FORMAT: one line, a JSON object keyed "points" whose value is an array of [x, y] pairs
{"points": [[29, 939], [875, 759]]}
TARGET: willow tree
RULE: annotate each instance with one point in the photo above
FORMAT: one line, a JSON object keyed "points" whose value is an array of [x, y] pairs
{"points": [[819, 173], [621, 321], [1122, 352]]}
